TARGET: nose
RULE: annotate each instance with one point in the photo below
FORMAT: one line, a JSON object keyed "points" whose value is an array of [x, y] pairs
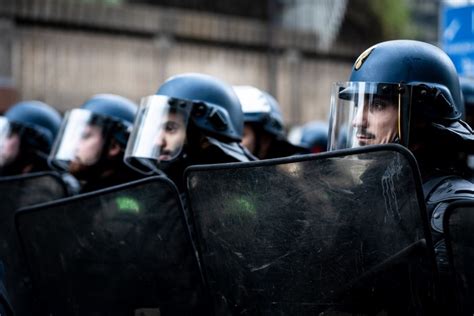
{"points": [[160, 140], [360, 118]]}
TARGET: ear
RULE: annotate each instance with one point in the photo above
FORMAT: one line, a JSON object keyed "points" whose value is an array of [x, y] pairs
{"points": [[114, 149]]}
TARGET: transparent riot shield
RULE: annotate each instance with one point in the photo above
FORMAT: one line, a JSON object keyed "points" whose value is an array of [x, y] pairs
{"points": [[17, 192], [125, 250], [459, 231], [340, 232]]}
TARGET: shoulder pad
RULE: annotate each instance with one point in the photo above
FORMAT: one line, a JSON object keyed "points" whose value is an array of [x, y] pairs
{"points": [[452, 189]]}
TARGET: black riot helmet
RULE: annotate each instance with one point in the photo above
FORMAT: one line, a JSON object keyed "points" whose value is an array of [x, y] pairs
{"points": [[185, 109], [88, 132], [399, 91], [27, 132]]}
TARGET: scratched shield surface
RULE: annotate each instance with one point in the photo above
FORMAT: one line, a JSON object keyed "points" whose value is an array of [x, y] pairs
{"points": [[458, 227], [16, 192], [125, 250], [311, 233]]}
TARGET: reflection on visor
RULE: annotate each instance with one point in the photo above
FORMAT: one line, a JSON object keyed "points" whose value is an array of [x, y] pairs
{"points": [[159, 132], [364, 114], [80, 140]]}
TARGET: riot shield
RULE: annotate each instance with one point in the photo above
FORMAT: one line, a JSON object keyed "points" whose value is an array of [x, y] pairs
{"points": [[125, 250], [17, 192], [340, 232], [459, 231]]}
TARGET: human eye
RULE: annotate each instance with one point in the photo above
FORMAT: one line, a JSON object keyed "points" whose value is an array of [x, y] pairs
{"points": [[379, 105], [85, 135], [171, 127]]}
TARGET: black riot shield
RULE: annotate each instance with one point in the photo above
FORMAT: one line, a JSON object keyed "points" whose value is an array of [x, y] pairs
{"points": [[459, 231], [338, 232], [17, 192], [125, 250]]}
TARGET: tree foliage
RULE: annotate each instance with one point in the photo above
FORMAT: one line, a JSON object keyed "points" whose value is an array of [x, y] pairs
{"points": [[394, 18]]}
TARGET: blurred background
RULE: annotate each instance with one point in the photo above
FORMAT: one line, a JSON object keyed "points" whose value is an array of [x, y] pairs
{"points": [[63, 51]]}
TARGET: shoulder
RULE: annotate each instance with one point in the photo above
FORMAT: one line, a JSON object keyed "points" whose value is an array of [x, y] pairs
{"points": [[440, 189], [440, 192]]}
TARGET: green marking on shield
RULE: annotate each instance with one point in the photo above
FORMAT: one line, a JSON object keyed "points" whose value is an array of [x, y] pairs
{"points": [[245, 206], [128, 205]]}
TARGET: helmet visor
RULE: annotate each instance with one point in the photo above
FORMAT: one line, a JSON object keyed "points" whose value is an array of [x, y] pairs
{"points": [[158, 134], [80, 140], [10, 141], [364, 113]]}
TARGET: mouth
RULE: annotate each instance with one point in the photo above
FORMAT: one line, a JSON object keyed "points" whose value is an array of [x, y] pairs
{"points": [[164, 157], [76, 160], [364, 136]]}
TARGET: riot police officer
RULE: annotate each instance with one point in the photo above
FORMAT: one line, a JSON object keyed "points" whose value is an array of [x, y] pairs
{"points": [[192, 119], [92, 141], [27, 132], [408, 92], [264, 133], [405, 92]]}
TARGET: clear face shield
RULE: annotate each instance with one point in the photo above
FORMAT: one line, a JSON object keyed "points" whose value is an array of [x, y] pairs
{"points": [[80, 140], [10, 141], [159, 133], [364, 113]]}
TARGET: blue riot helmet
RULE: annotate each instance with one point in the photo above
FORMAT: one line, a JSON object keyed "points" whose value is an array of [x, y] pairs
{"points": [[216, 108], [312, 135], [189, 112], [264, 133], [93, 137], [400, 91], [261, 109], [27, 132]]}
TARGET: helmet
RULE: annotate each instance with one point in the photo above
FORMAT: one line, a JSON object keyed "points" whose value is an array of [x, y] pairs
{"points": [[216, 108], [184, 106], [261, 109], [398, 87], [27, 132], [111, 116], [118, 110], [38, 118], [312, 135]]}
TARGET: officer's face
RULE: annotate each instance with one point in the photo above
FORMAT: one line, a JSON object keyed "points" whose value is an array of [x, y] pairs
{"points": [[249, 138], [10, 149], [376, 123], [172, 136], [89, 149]]}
